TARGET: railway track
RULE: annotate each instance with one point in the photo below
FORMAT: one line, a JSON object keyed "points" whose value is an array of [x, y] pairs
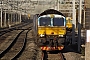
{"points": [[52, 56], [10, 49], [16, 27], [16, 47], [13, 43], [31, 49], [7, 35]]}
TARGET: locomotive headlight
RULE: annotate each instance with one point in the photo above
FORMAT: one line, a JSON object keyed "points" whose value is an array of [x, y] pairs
{"points": [[42, 35], [67, 26], [60, 35]]}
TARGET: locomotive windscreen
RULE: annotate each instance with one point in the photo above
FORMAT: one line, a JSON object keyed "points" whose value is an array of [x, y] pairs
{"points": [[45, 21], [58, 22]]}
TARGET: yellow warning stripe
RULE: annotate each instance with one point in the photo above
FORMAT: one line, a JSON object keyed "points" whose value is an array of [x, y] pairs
{"points": [[52, 48]]}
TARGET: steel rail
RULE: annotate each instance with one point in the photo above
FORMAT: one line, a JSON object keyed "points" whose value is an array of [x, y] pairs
{"points": [[10, 46], [23, 47]]}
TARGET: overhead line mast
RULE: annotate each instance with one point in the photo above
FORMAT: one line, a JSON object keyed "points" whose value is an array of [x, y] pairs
{"points": [[74, 13], [80, 11]]}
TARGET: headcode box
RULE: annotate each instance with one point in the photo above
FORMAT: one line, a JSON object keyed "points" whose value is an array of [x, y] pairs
{"points": [[88, 36]]}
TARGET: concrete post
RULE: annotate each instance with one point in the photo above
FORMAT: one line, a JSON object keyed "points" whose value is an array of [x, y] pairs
{"points": [[80, 11], [5, 20], [74, 14], [20, 17], [8, 19], [1, 18], [11, 18], [16, 18], [84, 19]]}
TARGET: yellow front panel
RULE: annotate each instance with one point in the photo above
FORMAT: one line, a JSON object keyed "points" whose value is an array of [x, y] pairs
{"points": [[51, 30], [69, 25]]}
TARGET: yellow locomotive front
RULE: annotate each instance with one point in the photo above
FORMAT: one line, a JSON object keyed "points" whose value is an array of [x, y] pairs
{"points": [[51, 32], [69, 24]]}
